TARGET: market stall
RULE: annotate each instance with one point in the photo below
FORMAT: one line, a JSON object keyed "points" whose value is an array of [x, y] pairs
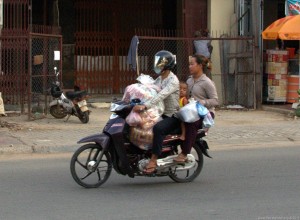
{"points": [[284, 84]]}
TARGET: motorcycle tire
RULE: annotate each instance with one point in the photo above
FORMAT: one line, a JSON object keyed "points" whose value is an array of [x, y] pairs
{"points": [[82, 166], [189, 175], [57, 111], [84, 117]]}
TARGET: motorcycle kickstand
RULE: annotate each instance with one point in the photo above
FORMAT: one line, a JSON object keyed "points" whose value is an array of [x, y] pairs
{"points": [[68, 118]]}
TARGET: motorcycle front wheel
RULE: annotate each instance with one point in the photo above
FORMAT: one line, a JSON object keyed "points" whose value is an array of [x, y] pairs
{"points": [[84, 168], [84, 117], [57, 111], [183, 176]]}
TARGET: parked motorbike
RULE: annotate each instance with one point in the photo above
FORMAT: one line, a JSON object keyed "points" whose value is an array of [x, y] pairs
{"points": [[92, 163], [71, 103]]}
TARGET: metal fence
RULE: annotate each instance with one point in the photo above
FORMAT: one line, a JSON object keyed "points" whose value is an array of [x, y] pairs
{"points": [[27, 68], [14, 76], [26, 71], [233, 63], [41, 70]]}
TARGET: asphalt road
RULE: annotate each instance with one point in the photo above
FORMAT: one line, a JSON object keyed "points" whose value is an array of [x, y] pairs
{"points": [[257, 183]]}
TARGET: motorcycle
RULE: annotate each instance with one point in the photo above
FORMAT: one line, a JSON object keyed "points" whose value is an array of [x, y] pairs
{"points": [[71, 103], [92, 163]]}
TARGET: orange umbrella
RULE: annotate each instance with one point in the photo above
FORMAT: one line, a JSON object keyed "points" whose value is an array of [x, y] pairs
{"points": [[287, 28]]}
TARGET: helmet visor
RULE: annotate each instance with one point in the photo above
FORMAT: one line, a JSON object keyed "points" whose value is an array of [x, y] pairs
{"points": [[159, 64]]}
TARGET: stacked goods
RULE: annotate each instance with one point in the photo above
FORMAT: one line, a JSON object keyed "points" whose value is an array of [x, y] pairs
{"points": [[293, 79], [142, 123], [292, 88], [276, 70]]}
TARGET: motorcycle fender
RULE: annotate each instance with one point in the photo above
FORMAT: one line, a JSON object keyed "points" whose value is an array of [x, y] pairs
{"points": [[203, 146], [55, 102], [101, 139]]}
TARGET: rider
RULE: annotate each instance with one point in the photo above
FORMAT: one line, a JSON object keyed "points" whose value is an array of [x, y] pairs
{"points": [[164, 62], [202, 89]]}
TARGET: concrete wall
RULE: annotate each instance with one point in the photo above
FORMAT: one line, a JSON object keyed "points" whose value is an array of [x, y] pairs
{"points": [[221, 18]]}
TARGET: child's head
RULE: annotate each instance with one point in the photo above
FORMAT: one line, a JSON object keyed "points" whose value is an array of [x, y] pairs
{"points": [[183, 89]]}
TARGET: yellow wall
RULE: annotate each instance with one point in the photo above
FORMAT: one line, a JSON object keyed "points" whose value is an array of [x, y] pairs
{"points": [[220, 20]]}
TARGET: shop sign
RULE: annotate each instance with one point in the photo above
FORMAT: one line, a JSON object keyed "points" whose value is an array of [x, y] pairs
{"points": [[292, 7]]}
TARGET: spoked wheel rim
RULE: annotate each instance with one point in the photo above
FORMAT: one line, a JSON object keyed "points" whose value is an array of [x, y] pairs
{"points": [[189, 175], [57, 111], [83, 166]]}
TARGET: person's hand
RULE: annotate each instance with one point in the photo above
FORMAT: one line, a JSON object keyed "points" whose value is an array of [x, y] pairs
{"points": [[139, 108], [202, 102]]}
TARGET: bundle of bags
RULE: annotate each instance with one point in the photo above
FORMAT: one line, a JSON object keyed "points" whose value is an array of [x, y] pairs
{"points": [[141, 123], [193, 111]]}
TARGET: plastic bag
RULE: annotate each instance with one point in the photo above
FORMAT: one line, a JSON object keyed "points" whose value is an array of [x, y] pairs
{"points": [[149, 118], [188, 113], [138, 91], [141, 138], [134, 118], [202, 110], [208, 121], [145, 79]]}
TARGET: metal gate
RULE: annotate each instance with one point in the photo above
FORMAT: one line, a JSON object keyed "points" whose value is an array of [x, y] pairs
{"points": [[26, 57], [41, 70], [103, 33]]}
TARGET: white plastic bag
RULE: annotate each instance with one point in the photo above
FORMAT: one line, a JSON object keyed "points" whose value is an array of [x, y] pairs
{"points": [[188, 113], [145, 79]]}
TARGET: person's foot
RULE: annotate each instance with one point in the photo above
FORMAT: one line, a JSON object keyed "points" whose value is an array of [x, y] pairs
{"points": [[151, 167], [181, 158]]}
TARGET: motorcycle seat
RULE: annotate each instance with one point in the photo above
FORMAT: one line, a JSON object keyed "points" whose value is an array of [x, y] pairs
{"points": [[75, 94]]}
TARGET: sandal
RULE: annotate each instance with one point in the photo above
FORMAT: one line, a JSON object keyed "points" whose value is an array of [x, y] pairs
{"points": [[181, 158], [151, 167]]}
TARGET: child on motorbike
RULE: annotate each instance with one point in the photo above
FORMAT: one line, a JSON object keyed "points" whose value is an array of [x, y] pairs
{"points": [[182, 102]]}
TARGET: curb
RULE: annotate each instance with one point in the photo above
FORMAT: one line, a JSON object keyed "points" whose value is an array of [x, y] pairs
{"points": [[100, 105], [13, 144], [289, 112]]}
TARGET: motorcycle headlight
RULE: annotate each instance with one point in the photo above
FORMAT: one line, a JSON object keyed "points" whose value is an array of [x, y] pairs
{"points": [[113, 107]]}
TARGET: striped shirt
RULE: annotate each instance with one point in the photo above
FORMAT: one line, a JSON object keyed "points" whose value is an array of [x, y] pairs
{"points": [[169, 94]]}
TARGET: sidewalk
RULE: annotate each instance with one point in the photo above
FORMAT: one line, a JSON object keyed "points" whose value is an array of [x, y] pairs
{"points": [[233, 129]]}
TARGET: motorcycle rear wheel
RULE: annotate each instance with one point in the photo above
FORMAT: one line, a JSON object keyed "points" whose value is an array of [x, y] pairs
{"points": [[57, 111], [191, 174], [84, 117], [82, 166]]}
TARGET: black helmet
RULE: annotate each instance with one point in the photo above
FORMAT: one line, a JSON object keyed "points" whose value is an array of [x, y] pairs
{"points": [[164, 60], [56, 91]]}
